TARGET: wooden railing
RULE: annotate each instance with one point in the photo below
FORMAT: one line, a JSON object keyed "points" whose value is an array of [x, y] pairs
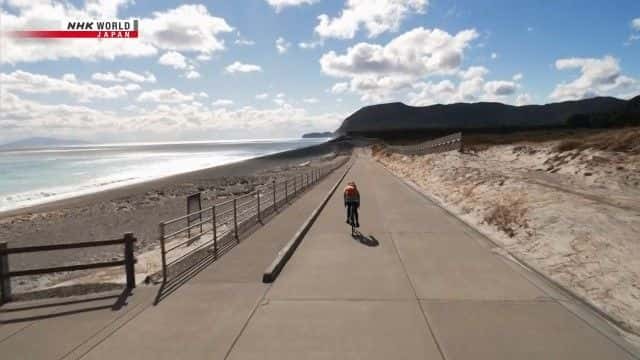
{"points": [[6, 274], [448, 143]]}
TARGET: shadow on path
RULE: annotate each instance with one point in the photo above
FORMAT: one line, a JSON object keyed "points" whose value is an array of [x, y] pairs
{"points": [[370, 240], [63, 308]]}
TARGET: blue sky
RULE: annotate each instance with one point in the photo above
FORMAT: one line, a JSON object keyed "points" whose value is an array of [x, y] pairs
{"points": [[178, 81]]}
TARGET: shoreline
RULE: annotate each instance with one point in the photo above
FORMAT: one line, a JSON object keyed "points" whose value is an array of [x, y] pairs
{"points": [[139, 208], [130, 188]]}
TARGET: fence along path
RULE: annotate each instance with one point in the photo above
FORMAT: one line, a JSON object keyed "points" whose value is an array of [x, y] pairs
{"points": [[219, 226], [446, 143], [128, 262]]}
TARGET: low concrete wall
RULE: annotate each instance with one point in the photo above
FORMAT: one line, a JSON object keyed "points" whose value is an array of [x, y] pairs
{"points": [[272, 272]]}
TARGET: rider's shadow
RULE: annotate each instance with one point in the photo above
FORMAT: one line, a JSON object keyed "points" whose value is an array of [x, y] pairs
{"points": [[370, 240]]}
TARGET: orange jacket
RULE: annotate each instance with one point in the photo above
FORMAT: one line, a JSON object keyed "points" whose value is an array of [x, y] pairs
{"points": [[351, 195]]}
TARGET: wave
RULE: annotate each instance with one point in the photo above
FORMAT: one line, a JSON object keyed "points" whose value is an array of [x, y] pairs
{"points": [[90, 174]]}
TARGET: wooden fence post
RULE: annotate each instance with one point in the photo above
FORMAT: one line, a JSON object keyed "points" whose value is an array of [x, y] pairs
{"points": [[235, 217], [163, 254], [129, 260], [215, 231], [5, 280], [258, 195], [275, 206]]}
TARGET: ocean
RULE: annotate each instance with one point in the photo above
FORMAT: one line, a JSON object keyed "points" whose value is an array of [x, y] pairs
{"points": [[39, 175]]}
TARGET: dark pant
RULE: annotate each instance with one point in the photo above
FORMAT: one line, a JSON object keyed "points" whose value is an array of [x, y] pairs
{"points": [[352, 210]]}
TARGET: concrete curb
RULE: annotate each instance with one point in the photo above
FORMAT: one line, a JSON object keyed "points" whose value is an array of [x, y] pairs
{"points": [[617, 324], [272, 272]]}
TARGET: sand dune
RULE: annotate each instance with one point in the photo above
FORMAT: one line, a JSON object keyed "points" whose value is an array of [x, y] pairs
{"points": [[573, 215]]}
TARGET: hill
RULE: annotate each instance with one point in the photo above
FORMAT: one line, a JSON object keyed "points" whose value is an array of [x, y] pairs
{"points": [[397, 117]]}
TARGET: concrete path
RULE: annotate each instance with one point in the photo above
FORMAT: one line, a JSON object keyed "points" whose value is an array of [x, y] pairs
{"points": [[419, 285], [201, 319]]}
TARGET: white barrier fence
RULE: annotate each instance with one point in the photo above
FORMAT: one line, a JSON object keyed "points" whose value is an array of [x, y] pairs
{"points": [[447, 143]]}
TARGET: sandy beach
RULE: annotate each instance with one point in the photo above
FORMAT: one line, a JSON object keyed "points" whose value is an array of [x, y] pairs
{"points": [[139, 209]]}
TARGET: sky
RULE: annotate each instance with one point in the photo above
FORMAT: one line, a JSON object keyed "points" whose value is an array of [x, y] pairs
{"points": [[240, 69]]}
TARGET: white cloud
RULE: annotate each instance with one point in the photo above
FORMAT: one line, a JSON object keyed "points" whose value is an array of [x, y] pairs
{"points": [[282, 45], [517, 77], [132, 87], [523, 99], [178, 121], [419, 52], [124, 75], [494, 56], [375, 70], [281, 4], [310, 45], [222, 103], [243, 68], [185, 28], [262, 96], [377, 17], [635, 36], [280, 102], [106, 77], [173, 59], [69, 77], [164, 96], [26, 82], [598, 77], [500, 88], [135, 77], [192, 74], [471, 87], [340, 88], [240, 40], [178, 61], [310, 100], [473, 72]]}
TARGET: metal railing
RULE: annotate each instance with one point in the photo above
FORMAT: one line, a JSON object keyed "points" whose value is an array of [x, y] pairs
{"points": [[221, 224], [6, 274], [447, 143]]}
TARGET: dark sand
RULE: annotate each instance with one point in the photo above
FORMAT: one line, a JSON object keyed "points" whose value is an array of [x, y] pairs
{"points": [[139, 208]]}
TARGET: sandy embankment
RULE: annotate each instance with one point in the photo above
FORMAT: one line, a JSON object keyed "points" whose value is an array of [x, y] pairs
{"points": [[572, 215], [137, 208]]}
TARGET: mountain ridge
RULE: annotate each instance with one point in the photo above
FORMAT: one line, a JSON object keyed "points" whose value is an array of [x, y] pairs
{"points": [[397, 116]]}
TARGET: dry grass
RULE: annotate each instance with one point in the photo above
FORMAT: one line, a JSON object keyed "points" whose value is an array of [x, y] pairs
{"points": [[619, 140], [569, 145], [376, 150], [508, 214]]}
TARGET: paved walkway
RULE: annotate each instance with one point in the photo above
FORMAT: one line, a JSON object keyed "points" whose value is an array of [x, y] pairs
{"points": [[418, 285]]}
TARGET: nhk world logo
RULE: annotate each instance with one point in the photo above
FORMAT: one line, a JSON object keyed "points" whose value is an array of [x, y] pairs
{"points": [[118, 29]]}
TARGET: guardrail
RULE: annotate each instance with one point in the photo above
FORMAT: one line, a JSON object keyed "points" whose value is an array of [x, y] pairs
{"points": [[447, 143], [6, 274], [225, 221]]}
